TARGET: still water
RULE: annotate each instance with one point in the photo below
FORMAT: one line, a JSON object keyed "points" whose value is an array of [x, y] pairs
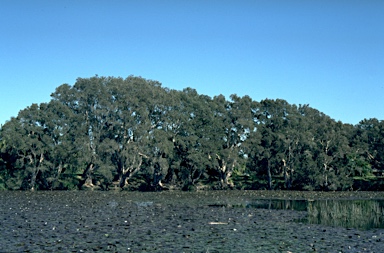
{"points": [[361, 214]]}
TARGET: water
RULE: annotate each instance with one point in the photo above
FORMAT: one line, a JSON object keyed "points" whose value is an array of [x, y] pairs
{"points": [[211, 221], [360, 214]]}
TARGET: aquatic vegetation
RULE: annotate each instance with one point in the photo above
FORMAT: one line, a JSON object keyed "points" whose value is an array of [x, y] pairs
{"points": [[173, 222]]}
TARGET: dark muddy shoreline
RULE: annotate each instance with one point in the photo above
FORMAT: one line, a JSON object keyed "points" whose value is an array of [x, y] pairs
{"points": [[85, 221]]}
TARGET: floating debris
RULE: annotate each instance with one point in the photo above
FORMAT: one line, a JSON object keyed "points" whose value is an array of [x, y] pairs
{"points": [[217, 223]]}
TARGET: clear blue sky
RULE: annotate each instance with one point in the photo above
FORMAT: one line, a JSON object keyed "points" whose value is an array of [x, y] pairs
{"points": [[329, 54]]}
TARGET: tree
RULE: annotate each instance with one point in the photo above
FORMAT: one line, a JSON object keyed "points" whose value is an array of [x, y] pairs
{"points": [[90, 103], [232, 124], [191, 119], [128, 126], [370, 139], [58, 126], [26, 137], [133, 133], [272, 119]]}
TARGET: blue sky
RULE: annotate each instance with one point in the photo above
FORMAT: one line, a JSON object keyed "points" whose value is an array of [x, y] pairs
{"points": [[328, 54]]}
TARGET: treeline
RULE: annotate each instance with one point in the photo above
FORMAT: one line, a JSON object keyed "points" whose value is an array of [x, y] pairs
{"points": [[107, 132]]}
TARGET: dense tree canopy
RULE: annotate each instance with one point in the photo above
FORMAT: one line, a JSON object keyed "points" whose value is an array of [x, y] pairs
{"points": [[106, 132]]}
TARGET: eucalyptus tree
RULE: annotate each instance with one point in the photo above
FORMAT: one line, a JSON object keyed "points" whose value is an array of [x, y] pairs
{"points": [[160, 133], [331, 149], [272, 123], [14, 175], [282, 141], [89, 101], [360, 158], [191, 119], [232, 124], [301, 148], [342, 151], [131, 125], [124, 133], [369, 142], [8, 158], [3, 168], [298, 146], [36, 138], [106, 130], [325, 152], [25, 136], [293, 145], [58, 126]]}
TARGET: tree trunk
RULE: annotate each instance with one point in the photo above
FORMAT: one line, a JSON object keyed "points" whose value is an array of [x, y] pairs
{"points": [[225, 172], [157, 175], [269, 177], [223, 176], [287, 177], [127, 173], [325, 176], [227, 175], [87, 176], [36, 172], [227, 182], [122, 180], [88, 180], [59, 171], [33, 179]]}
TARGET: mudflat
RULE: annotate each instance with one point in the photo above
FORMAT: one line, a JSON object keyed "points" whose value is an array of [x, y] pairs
{"points": [[209, 221]]}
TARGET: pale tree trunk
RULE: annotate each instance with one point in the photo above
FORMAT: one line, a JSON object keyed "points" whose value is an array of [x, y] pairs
{"points": [[327, 160], [193, 179], [269, 179], [222, 169], [288, 172], [59, 171], [127, 173], [225, 172], [123, 178], [36, 170], [227, 175], [286, 176], [87, 175], [325, 174], [157, 175]]}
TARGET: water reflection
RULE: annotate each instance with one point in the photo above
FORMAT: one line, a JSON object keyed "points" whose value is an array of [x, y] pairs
{"points": [[297, 205], [361, 214]]}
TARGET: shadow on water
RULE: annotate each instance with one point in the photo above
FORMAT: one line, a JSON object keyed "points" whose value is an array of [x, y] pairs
{"points": [[360, 214]]}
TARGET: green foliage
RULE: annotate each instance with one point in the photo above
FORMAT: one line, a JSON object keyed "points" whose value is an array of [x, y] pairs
{"points": [[106, 132]]}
